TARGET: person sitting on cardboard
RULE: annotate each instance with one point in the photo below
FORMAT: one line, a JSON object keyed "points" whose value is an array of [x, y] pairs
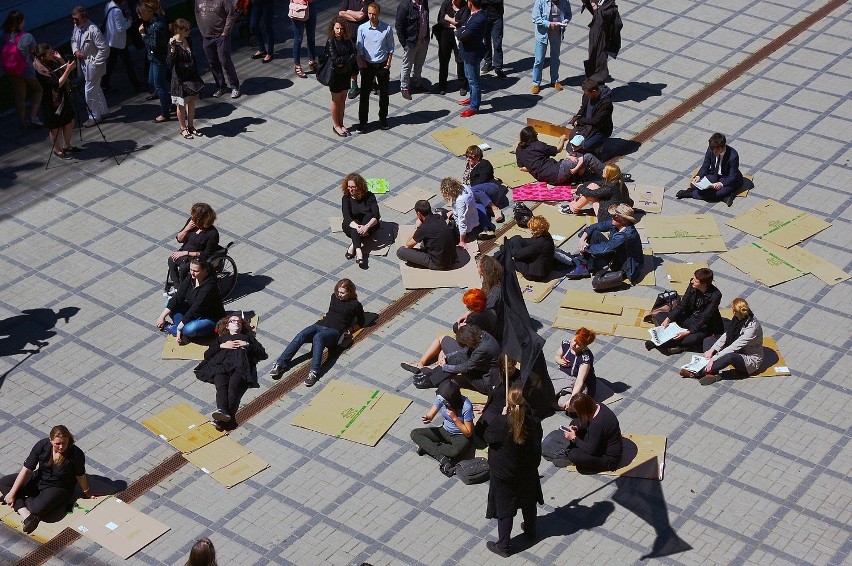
{"points": [[533, 256], [433, 244], [594, 119], [449, 442], [721, 168], [479, 176], [697, 312], [602, 194], [623, 249], [537, 158]]}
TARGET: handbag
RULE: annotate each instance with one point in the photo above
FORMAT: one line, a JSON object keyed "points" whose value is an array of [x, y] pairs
{"points": [[298, 11], [325, 70], [605, 279], [523, 214], [472, 471]]}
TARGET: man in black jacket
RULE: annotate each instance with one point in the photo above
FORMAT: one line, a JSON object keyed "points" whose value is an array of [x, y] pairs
{"points": [[594, 119], [412, 30]]}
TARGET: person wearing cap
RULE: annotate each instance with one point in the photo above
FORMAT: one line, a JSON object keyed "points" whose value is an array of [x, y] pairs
{"points": [[721, 167], [623, 249], [594, 119], [446, 443]]}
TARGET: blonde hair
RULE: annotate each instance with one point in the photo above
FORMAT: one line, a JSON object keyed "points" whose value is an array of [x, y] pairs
{"points": [[450, 189], [740, 307], [517, 413], [612, 173], [539, 225]]}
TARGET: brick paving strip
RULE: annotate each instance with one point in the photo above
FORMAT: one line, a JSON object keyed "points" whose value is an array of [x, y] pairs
{"points": [[174, 463]]}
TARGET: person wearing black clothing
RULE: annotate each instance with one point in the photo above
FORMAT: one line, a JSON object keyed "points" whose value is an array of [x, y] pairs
{"points": [[537, 158], [47, 479], [56, 105], [493, 37], [230, 363], [477, 312], [594, 119], [196, 306], [198, 239], [533, 256], [340, 49], [360, 215], [355, 14], [602, 195], [345, 315], [604, 37], [514, 454], [595, 436], [452, 14], [697, 312], [155, 35], [479, 176], [436, 239]]}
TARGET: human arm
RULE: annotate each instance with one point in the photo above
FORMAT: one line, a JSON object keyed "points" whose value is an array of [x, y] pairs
{"points": [[602, 109], [465, 426], [482, 172], [560, 355], [230, 17], [401, 21], [541, 16], [615, 241], [430, 414], [733, 169], [83, 480], [23, 477], [701, 319], [527, 251], [582, 374], [593, 442], [602, 192]]}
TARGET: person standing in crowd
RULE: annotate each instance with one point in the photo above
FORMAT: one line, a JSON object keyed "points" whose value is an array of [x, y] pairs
{"points": [[91, 50], [302, 28], [260, 23], [514, 454], [215, 19], [604, 38], [186, 81], [550, 18], [155, 35], [594, 119], [56, 104], [493, 59], [471, 37], [116, 24], [721, 167], [446, 443], [340, 49], [47, 479], [433, 243], [450, 16], [412, 30], [595, 436], [355, 13], [23, 77], [360, 216], [375, 47]]}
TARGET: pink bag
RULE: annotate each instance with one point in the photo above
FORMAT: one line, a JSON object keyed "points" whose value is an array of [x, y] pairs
{"points": [[539, 192], [298, 11], [14, 63]]}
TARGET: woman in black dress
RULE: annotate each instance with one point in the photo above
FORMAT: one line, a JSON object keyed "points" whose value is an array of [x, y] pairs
{"points": [[360, 215], [533, 256], [198, 238], [230, 363], [595, 436], [340, 49], [56, 105], [514, 454], [186, 82], [47, 479]]}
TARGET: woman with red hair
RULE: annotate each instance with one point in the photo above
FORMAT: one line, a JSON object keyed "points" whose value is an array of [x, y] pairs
{"points": [[476, 300], [577, 365]]}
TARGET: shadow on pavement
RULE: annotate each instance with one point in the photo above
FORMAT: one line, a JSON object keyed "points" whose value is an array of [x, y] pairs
{"points": [[637, 91]]}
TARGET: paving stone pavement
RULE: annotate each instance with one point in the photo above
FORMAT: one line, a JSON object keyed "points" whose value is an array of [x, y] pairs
{"points": [[757, 471]]}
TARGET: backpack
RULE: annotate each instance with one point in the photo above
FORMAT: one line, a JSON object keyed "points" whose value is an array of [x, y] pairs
{"points": [[472, 471], [14, 63], [554, 447], [523, 214]]}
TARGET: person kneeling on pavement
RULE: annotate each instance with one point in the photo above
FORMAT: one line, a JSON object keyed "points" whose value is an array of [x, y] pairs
{"points": [[449, 442], [623, 249]]}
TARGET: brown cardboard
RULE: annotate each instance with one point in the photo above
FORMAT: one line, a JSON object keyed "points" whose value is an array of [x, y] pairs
{"points": [[644, 457], [748, 184], [457, 140], [588, 301], [548, 129], [536, 291], [217, 454], [562, 226], [120, 528], [774, 222], [647, 197], [649, 275], [195, 349], [683, 234], [239, 471], [175, 421], [352, 412], [475, 396], [197, 437], [605, 313], [404, 202], [771, 264], [463, 274], [506, 169], [679, 274], [774, 363]]}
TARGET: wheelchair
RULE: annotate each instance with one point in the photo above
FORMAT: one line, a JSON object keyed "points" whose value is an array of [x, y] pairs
{"points": [[223, 268]]}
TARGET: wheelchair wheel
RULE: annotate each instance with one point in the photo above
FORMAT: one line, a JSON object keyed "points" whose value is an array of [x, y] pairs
{"points": [[226, 275]]}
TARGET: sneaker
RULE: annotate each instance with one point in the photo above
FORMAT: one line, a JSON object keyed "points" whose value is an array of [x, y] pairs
{"points": [[683, 194], [557, 85], [729, 200], [312, 378], [220, 416], [492, 546], [468, 113], [353, 92], [383, 124], [464, 102], [90, 122], [486, 235], [235, 93], [219, 92], [277, 371], [486, 68], [565, 209], [169, 293], [420, 451], [462, 92], [579, 272], [446, 466], [36, 122], [406, 94], [500, 73], [535, 89]]}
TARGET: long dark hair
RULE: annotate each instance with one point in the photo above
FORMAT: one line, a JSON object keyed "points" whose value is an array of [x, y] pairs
{"points": [[351, 295], [528, 135], [338, 20], [13, 21], [202, 554], [584, 407]]}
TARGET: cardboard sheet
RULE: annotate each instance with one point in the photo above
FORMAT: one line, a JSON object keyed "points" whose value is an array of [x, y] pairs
{"points": [[548, 129], [536, 291], [457, 140], [239, 471], [195, 350], [197, 437], [352, 412], [227, 461], [463, 275], [506, 169], [771, 264], [120, 528], [646, 197], [474, 396], [777, 223], [605, 394], [46, 531], [644, 457], [175, 421], [606, 313], [679, 274], [404, 201], [684, 234], [774, 363], [649, 268]]}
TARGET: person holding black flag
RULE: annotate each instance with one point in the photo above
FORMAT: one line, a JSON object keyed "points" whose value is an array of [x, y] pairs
{"points": [[604, 37]]}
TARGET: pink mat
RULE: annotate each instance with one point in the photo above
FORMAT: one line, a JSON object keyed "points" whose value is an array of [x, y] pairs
{"points": [[540, 192]]}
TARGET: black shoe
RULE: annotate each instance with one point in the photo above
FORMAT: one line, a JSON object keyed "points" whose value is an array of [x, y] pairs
{"points": [[729, 200], [152, 97], [649, 345], [486, 68], [220, 416], [362, 263], [383, 124], [500, 73], [30, 523], [422, 381], [683, 194], [312, 378], [420, 451], [411, 367], [492, 546]]}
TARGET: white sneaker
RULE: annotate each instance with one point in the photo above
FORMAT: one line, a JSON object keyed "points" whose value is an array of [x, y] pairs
{"points": [[221, 416], [36, 121], [235, 93]]}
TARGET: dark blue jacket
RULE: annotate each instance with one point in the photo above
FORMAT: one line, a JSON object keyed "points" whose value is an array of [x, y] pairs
{"points": [[731, 176], [472, 38], [625, 245], [408, 22]]}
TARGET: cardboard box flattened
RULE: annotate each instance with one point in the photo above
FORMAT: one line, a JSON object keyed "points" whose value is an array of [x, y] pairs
{"points": [[241, 470], [778, 223], [217, 454], [174, 421], [644, 457], [194, 439], [457, 140]]}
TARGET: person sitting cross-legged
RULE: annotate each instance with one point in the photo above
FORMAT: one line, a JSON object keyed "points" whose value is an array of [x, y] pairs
{"points": [[451, 440], [721, 167], [623, 249], [433, 244]]}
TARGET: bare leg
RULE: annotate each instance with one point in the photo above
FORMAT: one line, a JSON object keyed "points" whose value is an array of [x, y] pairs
{"points": [[67, 130], [335, 111], [431, 352], [578, 203], [181, 116], [190, 113]]}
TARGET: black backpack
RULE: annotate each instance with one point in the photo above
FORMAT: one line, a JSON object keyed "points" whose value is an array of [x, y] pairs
{"points": [[554, 447], [523, 214], [472, 471]]}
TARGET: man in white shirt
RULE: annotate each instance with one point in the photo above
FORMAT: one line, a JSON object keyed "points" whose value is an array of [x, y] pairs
{"points": [[116, 24], [91, 50]]}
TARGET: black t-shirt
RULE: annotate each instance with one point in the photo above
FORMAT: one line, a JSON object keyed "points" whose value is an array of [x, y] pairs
{"points": [[537, 157], [437, 240], [342, 314], [62, 475]]}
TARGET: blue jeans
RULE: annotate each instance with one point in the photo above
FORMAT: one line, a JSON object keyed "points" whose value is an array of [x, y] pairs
{"points": [[538, 64], [494, 36], [471, 71], [197, 327], [157, 78], [298, 32], [261, 24], [592, 142], [486, 194], [319, 336]]}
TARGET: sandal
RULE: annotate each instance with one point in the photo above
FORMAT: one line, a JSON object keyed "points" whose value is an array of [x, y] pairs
{"points": [[259, 54], [313, 65], [186, 133], [299, 72], [62, 154], [267, 59], [195, 132]]}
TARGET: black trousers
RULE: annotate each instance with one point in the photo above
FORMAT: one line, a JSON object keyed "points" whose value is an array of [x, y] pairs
{"points": [[39, 500], [694, 342], [374, 72], [504, 526], [230, 389], [178, 269], [589, 464], [358, 239], [124, 54], [447, 47]]}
